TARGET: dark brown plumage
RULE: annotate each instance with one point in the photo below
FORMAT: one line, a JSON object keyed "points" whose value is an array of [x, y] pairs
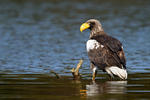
{"points": [[111, 54], [104, 51]]}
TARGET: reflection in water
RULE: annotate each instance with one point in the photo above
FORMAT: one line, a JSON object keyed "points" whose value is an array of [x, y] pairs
{"points": [[113, 87]]}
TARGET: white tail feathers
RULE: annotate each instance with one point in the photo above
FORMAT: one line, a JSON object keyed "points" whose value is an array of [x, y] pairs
{"points": [[114, 70]]}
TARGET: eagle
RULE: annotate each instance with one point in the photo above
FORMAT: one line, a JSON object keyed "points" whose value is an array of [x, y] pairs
{"points": [[105, 52]]}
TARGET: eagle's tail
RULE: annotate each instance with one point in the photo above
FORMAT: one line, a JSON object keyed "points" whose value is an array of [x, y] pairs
{"points": [[114, 70]]}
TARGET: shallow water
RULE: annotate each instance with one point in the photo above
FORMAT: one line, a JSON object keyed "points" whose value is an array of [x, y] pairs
{"points": [[39, 36]]}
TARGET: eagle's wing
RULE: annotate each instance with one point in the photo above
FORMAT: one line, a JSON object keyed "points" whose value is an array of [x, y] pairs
{"points": [[113, 51]]}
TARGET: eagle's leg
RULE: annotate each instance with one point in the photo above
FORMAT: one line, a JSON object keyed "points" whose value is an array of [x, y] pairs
{"points": [[111, 77], [94, 69]]}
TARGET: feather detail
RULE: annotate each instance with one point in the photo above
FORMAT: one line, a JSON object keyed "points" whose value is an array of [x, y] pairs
{"points": [[114, 70], [92, 44]]}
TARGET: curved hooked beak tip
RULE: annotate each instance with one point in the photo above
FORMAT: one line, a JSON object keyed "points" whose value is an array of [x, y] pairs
{"points": [[84, 26]]}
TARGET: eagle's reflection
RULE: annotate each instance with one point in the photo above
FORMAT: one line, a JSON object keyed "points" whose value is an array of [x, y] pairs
{"points": [[113, 87]]}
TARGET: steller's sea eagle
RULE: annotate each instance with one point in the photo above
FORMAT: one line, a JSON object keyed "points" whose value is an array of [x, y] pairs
{"points": [[105, 52]]}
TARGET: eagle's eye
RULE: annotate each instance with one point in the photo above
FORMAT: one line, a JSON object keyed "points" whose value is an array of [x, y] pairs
{"points": [[92, 24]]}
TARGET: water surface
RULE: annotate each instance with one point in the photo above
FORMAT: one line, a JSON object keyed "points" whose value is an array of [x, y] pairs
{"points": [[39, 36]]}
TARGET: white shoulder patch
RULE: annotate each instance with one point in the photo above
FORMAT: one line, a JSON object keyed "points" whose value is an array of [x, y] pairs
{"points": [[92, 44], [114, 70]]}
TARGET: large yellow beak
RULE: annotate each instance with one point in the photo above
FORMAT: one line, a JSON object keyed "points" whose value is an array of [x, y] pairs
{"points": [[84, 26]]}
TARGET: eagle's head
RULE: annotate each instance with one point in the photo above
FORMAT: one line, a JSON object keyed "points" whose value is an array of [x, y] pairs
{"points": [[92, 24]]}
